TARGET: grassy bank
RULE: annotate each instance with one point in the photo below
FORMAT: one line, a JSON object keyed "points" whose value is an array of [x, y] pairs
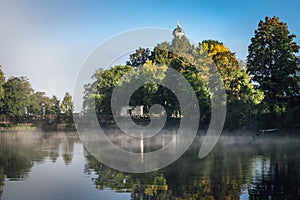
{"points": [[38, 126]]}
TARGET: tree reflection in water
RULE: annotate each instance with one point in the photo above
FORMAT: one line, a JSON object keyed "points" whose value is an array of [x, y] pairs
{"points": [[233, 170], [275, 177], [20, 151], [263, 170]]}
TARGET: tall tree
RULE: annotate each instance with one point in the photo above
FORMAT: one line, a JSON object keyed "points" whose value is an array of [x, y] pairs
{"points": [[235, 78], [2, 81], [53, 108], [272, 62], [16, 96], [67, 105], [242, 97]]}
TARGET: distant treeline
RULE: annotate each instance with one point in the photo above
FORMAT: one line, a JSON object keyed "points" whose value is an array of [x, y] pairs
{"points": [[20, 103]]}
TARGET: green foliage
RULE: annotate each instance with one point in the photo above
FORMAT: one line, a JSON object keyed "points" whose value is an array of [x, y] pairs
{"points": [[180, 46], [272, 62], [195, 64], [17, 91], [271, 65], [98, 94], [242, 97], [138, 58], [67, 105], [199, 85], [2, 81], [18, 99], [227, 64], [53, 106], [37, 104], [149, 94]]}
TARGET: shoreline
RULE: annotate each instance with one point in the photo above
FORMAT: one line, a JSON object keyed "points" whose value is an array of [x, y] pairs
{"points": [[53, 127], [39, 127]]}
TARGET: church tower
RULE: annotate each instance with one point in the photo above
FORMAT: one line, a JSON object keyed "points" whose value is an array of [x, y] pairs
{"points": [[178, 32]]}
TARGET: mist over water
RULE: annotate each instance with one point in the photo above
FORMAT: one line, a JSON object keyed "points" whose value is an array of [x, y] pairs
{"points": [[239, 167]]}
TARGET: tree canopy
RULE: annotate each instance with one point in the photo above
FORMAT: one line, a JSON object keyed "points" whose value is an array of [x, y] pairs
{"points": [[138, 58], [194, 63], [67, 104], [18, 100], [54, 106], [37, 103], [272, 62], [17, 91], [2, 81]]}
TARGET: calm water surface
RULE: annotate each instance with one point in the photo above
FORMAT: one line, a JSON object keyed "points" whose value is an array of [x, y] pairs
{"points": [[42, 166]]}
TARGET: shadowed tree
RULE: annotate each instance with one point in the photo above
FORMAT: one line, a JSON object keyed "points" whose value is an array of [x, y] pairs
{"points": [[2, 81], [138, 58], [272, 62]]}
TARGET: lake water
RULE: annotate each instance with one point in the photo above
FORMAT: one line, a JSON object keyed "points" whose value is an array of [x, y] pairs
{"points": [[55, 165]]}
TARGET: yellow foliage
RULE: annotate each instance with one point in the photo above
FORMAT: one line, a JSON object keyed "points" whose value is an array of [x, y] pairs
{"points": [[214, 48]]}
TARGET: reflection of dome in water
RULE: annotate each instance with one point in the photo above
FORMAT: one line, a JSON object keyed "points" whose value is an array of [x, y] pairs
{"points": [[178, 32]]}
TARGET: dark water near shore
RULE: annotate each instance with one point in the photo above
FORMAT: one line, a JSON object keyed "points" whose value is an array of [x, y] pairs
{"points": [[55, 165]]}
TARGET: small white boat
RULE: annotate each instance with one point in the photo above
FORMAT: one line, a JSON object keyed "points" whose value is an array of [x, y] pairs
{"points": [[266, 131], [270, 130]]}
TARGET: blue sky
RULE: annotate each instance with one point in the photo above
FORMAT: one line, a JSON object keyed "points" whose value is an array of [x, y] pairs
{"points": [[48, 40]]}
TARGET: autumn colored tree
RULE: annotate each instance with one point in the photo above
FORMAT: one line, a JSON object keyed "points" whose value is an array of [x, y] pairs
{"points": [[241, 95]]}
